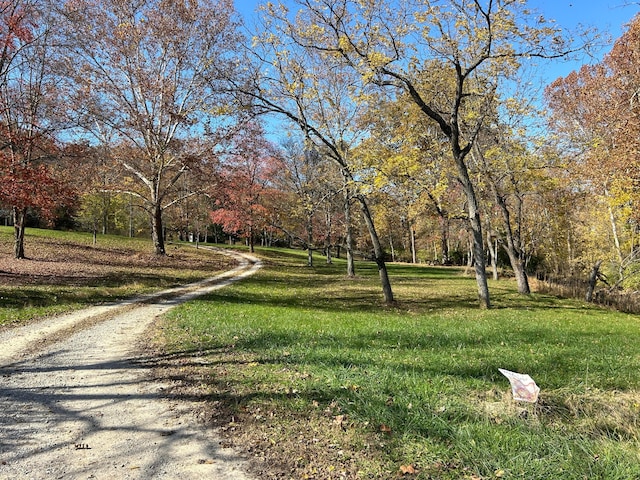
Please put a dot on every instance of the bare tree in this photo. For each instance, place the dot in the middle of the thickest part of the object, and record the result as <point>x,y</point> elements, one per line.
<point>146,74</point>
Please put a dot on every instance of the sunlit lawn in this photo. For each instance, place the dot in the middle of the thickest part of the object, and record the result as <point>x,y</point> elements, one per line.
<point>315,365</point>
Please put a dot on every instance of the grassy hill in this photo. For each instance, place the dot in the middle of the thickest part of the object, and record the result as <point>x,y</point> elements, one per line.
<point>66,271</point>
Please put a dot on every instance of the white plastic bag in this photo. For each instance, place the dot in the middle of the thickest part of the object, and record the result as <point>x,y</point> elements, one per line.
<point>523,387</point>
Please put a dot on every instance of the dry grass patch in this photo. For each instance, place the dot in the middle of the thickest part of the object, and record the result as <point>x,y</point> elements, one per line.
<point>65,271</point>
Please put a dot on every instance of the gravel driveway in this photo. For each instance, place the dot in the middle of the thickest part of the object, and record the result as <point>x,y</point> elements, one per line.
<point>77,400</point>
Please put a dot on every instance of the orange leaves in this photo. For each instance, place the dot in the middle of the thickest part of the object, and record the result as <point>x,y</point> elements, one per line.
<point>386,429</point>
<point>408,470</point>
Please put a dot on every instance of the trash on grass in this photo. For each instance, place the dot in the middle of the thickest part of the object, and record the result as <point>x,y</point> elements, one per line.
<point>523,387</point>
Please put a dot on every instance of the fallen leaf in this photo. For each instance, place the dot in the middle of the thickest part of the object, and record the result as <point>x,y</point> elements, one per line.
<point>407,470</point>
<point>385,428</point>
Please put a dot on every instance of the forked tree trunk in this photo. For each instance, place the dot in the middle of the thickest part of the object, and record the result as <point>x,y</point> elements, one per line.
<point>593,279</point>
<point>513,247</point>
<point>520,272</point>
<point>476,229</point>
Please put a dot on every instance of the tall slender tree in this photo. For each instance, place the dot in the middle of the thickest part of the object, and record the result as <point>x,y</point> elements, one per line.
<point>321,97</point>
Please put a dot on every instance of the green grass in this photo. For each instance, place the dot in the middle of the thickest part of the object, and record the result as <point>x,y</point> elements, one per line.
<point>312,361</point>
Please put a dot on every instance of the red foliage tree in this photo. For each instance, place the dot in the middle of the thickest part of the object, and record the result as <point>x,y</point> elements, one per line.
<point>16,23</point>
<point>27,116</point>
<point>30,183</point>
<point>246,184</point>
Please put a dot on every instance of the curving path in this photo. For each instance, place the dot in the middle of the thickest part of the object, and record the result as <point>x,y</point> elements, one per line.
<point>76,400</point>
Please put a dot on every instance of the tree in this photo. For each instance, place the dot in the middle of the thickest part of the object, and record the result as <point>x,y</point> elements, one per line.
<point>318,95</point>
<point>29,121</point>
<point>248,170</point>
<point>407,158</point>
<point>448,57</point>
<point>597,119</point>
<point>30,184</point>
<point>313,185</point>
<point>147,76</point>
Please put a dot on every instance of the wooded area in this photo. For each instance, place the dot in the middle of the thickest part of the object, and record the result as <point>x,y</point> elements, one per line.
<point>399,131</point>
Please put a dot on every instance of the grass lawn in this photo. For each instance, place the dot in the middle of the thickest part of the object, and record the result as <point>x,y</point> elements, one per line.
<point>310,374</point>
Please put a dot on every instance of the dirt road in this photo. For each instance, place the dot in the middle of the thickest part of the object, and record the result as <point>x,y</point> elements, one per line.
<point>76,400</point>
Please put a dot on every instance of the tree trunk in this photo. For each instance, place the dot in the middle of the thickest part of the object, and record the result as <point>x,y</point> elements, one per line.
<point>19,220</point>
<point>593,278</point>
<point>616,237</point>
<point>309,241</point>
<point>443,220</point>
<point>414,255</point>
<point>157,230</point>
<point>130,217</point>
<point>493,253</point>
<point>519,270</point>
<point>513,247</point>
<point>513,239</point>
<point>470,259</point>
<point>476,229</point>
<point>444,240</point>
<point>377,251</point>
<point>351,266</point>
<point>327,238</point>
<point>393,251</point>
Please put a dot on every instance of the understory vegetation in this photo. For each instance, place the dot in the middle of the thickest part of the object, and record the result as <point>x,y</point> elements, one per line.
<point>309,373</point>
